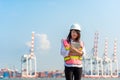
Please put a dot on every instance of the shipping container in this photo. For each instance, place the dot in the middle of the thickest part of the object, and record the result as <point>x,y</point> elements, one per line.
<point>6,75</point>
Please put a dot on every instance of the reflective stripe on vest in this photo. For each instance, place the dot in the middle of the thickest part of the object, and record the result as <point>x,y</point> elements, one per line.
<point>73,60</point>
<point>72,57</point>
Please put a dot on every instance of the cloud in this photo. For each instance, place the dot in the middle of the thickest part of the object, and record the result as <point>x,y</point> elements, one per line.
<point>28,44</point>
<point>43,42</point>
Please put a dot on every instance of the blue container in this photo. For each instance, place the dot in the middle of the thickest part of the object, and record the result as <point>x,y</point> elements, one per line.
<point>6,75</point>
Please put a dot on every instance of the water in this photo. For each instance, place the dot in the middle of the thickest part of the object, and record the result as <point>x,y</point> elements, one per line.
<point>35,79</point>
<point>62,79</point>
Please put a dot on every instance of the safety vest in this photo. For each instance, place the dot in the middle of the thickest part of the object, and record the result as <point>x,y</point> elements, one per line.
<point>72,60</point>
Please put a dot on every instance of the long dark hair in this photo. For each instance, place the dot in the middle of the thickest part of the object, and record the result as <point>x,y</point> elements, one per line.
<point>69,36</point>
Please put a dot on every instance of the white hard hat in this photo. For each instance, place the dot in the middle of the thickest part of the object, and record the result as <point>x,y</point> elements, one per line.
<point>76,27</point>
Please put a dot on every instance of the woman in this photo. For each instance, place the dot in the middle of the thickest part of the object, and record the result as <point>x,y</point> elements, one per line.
<point>73,55</point>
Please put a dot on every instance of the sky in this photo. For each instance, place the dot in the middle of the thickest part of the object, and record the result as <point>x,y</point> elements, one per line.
<point>51,21</point>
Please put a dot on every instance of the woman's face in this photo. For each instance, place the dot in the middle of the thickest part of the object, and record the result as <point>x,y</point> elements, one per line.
<point>74,34</point>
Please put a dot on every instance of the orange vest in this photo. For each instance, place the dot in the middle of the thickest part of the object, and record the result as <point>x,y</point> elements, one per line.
<point>72,60</point>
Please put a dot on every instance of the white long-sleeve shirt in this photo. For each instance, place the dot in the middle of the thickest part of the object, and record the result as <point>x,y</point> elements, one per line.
<point>65,53</point>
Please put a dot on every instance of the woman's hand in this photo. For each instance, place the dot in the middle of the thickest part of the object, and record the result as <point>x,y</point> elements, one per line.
<point>75,52</point>
<point>72,49</point>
